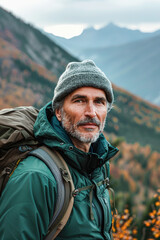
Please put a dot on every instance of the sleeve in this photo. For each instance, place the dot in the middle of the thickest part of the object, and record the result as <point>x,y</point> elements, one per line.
<point>27,206</point>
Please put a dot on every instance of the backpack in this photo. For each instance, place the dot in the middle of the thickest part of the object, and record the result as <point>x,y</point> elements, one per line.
<point>16,143</point>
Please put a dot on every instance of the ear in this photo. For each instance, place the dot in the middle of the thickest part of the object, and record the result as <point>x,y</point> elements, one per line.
<point>58,114</point>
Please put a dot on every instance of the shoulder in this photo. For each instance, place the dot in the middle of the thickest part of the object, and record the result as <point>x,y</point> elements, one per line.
<point>33,166</point>
<point>31,178</point>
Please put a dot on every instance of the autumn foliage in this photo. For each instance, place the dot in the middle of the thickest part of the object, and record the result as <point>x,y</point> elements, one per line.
<point>124,225</point>
<point>135,172</point>
<point>153,222</point>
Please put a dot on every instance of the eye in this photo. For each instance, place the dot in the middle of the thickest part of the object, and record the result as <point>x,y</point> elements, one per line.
<point>79,100</point>
<point>99,101</point>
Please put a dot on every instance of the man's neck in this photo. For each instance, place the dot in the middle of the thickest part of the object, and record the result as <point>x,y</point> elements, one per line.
<point>80,145</point>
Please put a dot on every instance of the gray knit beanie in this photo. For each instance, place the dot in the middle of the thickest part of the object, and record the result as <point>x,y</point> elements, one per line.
<point>82,74</point>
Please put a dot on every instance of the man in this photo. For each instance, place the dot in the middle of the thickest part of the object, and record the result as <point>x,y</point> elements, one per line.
<point>72,124</point>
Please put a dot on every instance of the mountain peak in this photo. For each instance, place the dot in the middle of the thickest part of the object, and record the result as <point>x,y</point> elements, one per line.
<point>111,25</point>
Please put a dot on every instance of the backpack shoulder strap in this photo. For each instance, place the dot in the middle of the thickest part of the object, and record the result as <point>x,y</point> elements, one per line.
<point>65,187</point>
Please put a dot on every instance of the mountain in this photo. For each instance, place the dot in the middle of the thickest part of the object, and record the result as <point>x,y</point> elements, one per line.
<point>110,35</point>
<point>130,58</point>
<point>22,81</point>
<point>33,43</point>
<point>30,64</point>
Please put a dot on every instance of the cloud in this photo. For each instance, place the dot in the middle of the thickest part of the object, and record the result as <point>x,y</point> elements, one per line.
<point>98,12</point>
<point>45,13</point>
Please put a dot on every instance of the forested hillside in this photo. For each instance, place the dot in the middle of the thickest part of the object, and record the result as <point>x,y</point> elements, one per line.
<point>33,43</point>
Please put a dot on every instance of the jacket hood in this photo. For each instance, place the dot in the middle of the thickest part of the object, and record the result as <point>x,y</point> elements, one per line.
<point>48,131</point>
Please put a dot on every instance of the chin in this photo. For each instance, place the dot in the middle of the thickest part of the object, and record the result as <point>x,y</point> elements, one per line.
<point>85,138</point>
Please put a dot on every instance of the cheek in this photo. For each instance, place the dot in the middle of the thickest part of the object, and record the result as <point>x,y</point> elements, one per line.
<point>102,115</point>
<point>75,115</point>
<point>72,117</point>
<point>75,119</point>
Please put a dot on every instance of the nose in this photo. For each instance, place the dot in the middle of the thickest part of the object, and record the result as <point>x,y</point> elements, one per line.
<point>90,110</point>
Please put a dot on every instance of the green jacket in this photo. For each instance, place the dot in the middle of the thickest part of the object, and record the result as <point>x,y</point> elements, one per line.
<point>28,200</point>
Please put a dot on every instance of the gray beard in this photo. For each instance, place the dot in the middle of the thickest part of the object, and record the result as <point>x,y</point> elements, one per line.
<point>73,131</point>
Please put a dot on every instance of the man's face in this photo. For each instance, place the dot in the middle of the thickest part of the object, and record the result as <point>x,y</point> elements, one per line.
<point>83,114</point>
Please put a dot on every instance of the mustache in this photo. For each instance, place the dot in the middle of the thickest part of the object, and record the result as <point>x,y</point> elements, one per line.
<point>89,120</point>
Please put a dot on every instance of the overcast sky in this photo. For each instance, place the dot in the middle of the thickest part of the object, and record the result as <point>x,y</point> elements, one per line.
<point>68,17</point>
